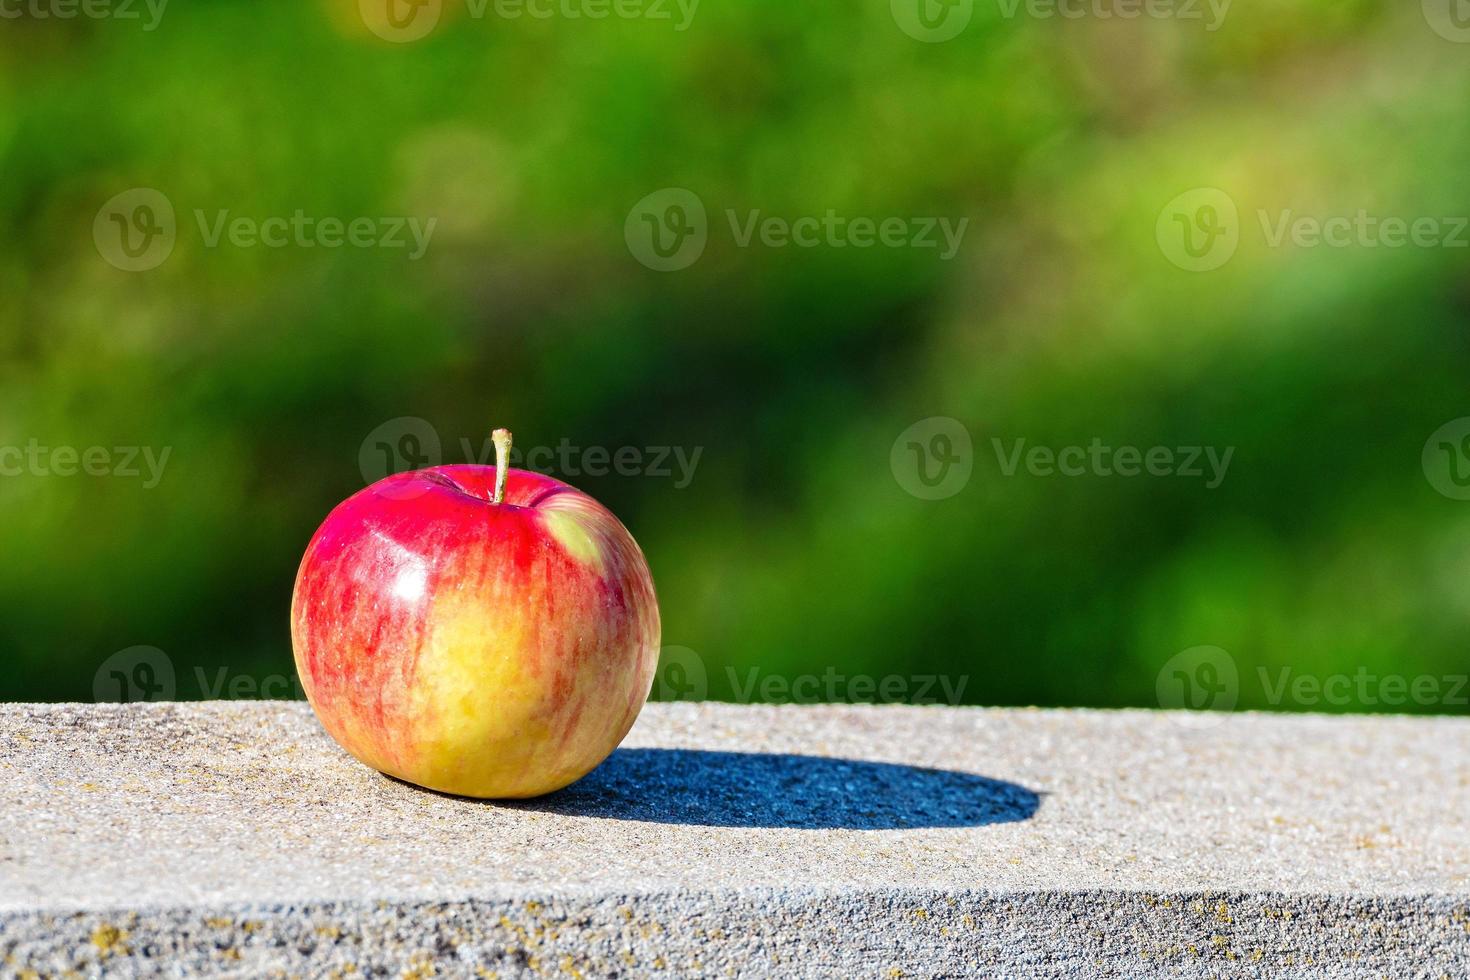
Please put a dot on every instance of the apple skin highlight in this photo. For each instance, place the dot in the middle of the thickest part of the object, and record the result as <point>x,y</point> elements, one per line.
<point>484,649</point>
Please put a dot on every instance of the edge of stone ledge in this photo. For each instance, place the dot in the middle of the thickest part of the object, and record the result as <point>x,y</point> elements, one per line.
<point>1127,710</point>
<point>811,931</point>
<point>589,893</point>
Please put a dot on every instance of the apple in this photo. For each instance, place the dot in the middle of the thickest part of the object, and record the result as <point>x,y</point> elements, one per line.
<point>476,630</point>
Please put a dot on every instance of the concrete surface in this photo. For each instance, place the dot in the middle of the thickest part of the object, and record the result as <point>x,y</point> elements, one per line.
<point>236,839</point>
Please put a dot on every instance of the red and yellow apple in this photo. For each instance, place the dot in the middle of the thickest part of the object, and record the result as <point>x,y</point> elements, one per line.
<point>477,630</point>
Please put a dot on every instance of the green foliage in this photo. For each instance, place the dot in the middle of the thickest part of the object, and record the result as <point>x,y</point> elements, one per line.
<point>793,549</point>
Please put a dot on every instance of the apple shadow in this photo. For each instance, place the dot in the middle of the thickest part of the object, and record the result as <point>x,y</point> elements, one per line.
<point>757,789</point>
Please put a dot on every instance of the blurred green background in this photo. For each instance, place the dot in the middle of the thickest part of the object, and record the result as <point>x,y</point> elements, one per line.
<point>1334,545</point>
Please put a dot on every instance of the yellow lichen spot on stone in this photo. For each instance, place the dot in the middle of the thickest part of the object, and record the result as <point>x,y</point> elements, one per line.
<point>218,922</point>
<point>626,913</point>
<point>329,932</point>
<point>1222,913</point>
<point>628,957</point>
<point>969,921</point>
<point>230,953</point>
<point>534,907</point>
<point>569,966</point>
<point>109,939</point>
<point>659,964</point>
<point>920,913</point>
<point>894,971</point>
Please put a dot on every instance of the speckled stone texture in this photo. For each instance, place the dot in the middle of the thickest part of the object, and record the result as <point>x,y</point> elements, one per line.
<point>837,841</point>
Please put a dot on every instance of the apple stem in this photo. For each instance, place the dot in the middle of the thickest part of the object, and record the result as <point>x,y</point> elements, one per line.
<point>501,437</point>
